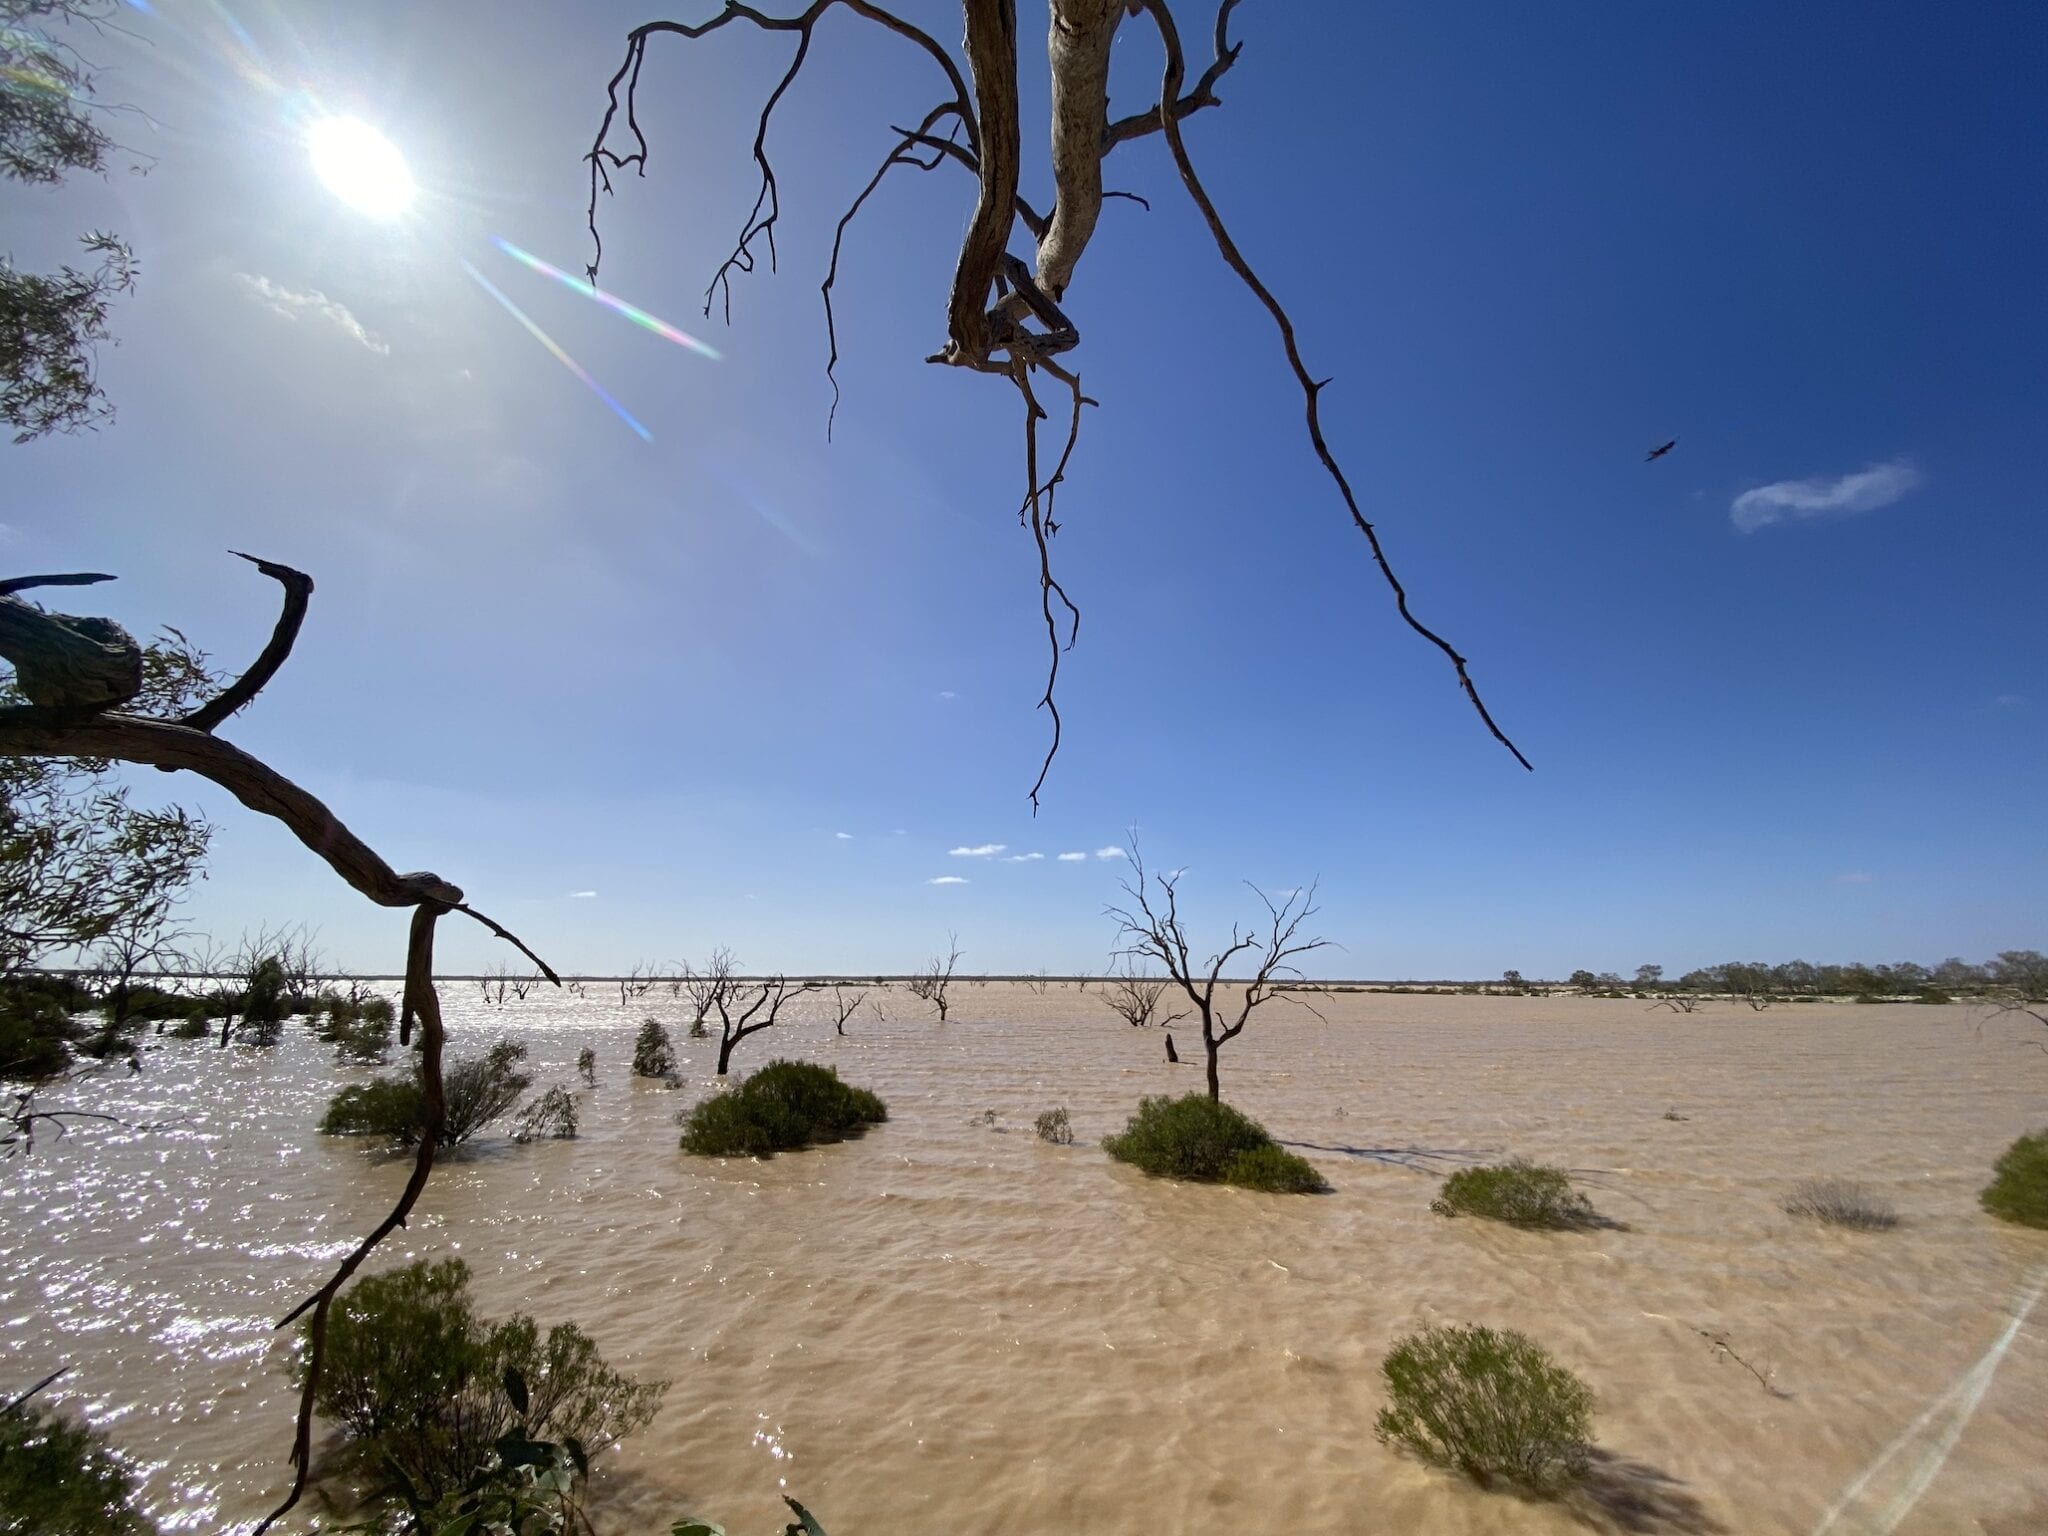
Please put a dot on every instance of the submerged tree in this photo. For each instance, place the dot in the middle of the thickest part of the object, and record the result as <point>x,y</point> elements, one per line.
<point>80,677</point>
<point>763,1011</point>
<point>929,985</point>
<point>1005,316</point>
<point>1137,999</point>
<point>1152,930</point>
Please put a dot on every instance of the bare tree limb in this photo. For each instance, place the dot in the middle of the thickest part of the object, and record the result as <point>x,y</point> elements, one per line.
<point>1311,389</point>
<point>298,593</point>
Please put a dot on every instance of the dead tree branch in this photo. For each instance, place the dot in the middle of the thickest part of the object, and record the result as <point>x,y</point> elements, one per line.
<point>769,995</point>
<point>73,711</point>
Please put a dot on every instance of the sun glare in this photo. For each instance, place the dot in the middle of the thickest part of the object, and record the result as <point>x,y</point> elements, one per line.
<point>360,166</point>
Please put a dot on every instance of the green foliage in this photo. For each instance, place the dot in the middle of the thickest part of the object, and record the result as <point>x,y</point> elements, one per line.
<point>36,1034</point>
<point>423,1389</point>
<point>1052,1126</point>
<point>359,1029</point>
<point>1491,1404</point>
<point>586,1066</point>
<point>2018,1190</point>
<point>1199,1139</point>
<point>190,1029</point>
<point>805,1524</point>
<point>1276,1171</point>
<point>785,1106</point>
<point>551,1117</point>
<point>1841,1203</point>
<point>58,1478</point>
<point>475,1090</point>
<point>1521,1193</point>
<point>263,1003</point>
<point>653,1054</point>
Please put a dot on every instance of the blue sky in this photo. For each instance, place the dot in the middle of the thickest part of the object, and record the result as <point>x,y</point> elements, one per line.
<point>1786,690</point>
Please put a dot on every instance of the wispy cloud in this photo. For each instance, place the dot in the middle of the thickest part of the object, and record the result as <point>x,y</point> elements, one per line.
<point>291,304</point>
<point>978,851</point>
<point>947,693</point>
<point>1024,858</point>
<point>1864,491</point>
<point>1855,877</point>
<point>1111,852</point>
<point>947,880</point>
<point>1998,700</point>
<point>844,837</point>
<point>582,895</point>
<point>1072,858</point>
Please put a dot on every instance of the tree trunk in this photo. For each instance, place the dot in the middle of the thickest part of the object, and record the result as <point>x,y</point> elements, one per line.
<point>1215,1080</point>
<point>725,1045</point>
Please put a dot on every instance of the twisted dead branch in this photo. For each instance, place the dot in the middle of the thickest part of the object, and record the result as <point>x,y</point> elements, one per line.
<point>1003,317</point>
<point>77,673</point>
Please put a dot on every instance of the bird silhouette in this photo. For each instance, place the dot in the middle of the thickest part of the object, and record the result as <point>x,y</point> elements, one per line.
<point>1658,453</point>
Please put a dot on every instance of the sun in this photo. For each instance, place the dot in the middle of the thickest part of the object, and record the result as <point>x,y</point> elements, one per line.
<point>360,166</point>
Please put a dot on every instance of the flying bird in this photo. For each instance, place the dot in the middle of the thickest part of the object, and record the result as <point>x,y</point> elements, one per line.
<point>1658,453</point>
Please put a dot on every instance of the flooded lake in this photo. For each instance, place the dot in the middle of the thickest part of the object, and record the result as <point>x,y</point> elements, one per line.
<point>951,1327</point>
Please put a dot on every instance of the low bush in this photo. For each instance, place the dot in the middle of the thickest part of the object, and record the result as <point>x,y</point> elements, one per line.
<point>653,1055</point>
<point>413,1378</point>
<point>1841,1203</point>
<point>1491,1404</point>
<point>2018,1190</point>
<point>785,1106</point>
<point>586,1066</point>
<point>264,1005</point>
<point>551,1117</point>
<point>190,1029</point>
<point>1521,1193</point>
<point>58,1478</point>
<point>475,1091</point>
<point>1052,1126</point>
<point>36,1036</point>
<point>1198,1139</point>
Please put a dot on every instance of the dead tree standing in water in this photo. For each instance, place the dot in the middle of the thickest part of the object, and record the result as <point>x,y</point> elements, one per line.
<point>77,675</point>
<point>929,985</point>
<point>751,1020</point>
<point>1156,933</point>
<point>1136,998</point>
<point>844,1008</point>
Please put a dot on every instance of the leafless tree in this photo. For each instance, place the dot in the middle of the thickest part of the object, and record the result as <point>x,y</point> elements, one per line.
<point>929,985</point>
<point>78,675</point>
<point>1678,1002</point>
<point>2019,988</point>
<point>707,987</point>
<point>637,983</point>
<point>844,1007</point>
<point>1152,931</point>
<point>762,1012</point>
<point>521,985</point>
<point>1004,317</point>
<point>135,946</point>
<point>493,984</point>
<point>1136,998</point>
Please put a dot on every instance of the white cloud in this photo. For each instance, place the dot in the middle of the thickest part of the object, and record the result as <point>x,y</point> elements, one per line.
<point>844,837</point>
<point>582,895</point>
<point>947,693</point>
<point>1024,858</point>
<point>293,305</point>
<point>1072,858</point>
<point>1864,491</point>
<point>947,880</point>
<point>1855,877</point>
<point>1998,701</point>
<point>1111,852</point>
<point>978,851</point>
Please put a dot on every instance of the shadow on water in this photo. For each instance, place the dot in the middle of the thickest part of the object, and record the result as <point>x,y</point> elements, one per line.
<point>1621,1495</point>
<point>1429,1160</point>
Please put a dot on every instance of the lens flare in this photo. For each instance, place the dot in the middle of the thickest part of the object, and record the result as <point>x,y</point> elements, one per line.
<point>638,316</point>
<point>556,352</point>
<point>360,166</point>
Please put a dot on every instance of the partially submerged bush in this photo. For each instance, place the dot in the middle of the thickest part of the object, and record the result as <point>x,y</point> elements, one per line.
<point>586,1065</point>
<point>1841,1203</point>
<point>1521,1193</point>
<point>189,1029</point>
<point>551,1117</point>
<point>412,1377</point>
<point>2018,1190</point>
<point>1200,1139</point>
<point>36,1035</point>
<point>1489,1403</point>
<point>1052,1126</point>
<point>264,1005</point>
<point>653,1055</point>
<point>785,1106</point>
<point>57,1478</point>
<point>475,1090</point>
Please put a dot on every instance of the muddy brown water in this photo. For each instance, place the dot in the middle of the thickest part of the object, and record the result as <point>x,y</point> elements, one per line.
<point>950,1327</point>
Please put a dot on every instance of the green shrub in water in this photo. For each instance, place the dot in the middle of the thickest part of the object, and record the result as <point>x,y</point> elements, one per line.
<point>413,1378</point>
<point>475,1090</point>
<point>190,1029</point>
<point>58,1478</point>
<point>653,1055</point>
<point>551,1117</point>
<point>1521,1193</point>
<point>1489,1403</point>
<point>1199,1139</point>
<point>1054,1127</point>
<point>2018,1190</point>
<point>785,1106</point>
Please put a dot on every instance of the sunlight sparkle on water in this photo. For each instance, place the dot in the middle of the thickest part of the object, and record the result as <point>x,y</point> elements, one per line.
<point>360,166</point>
<point>638,316</point>
<point>556,351</point>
